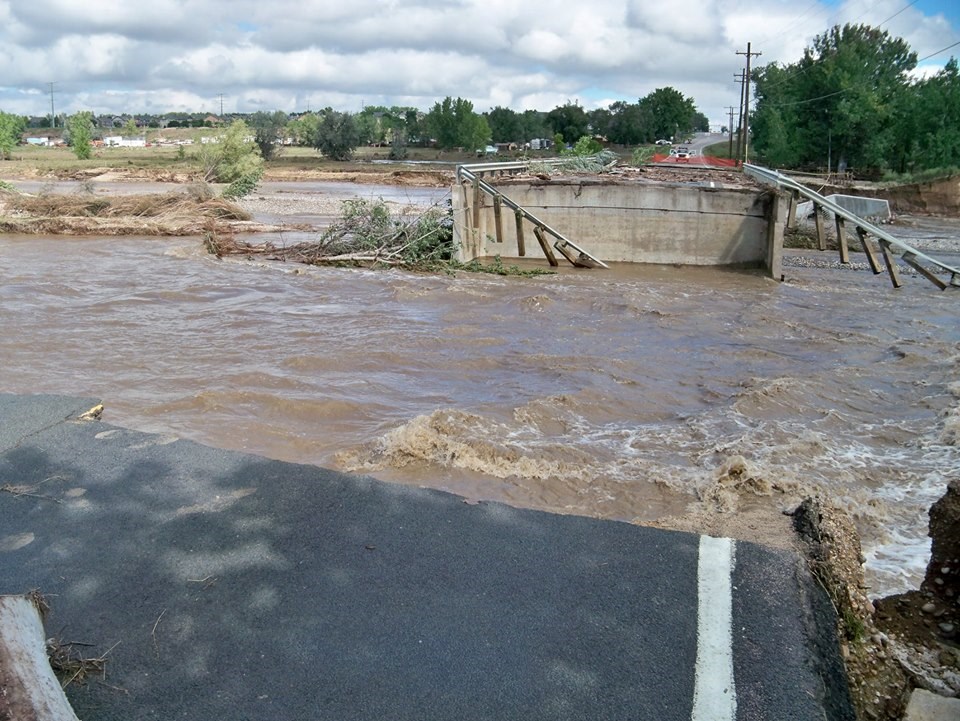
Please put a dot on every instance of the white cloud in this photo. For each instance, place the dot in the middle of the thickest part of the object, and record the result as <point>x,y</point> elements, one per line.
<point>115,55</point>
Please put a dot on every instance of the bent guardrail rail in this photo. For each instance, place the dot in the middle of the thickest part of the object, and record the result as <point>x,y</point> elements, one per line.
<point>473,173</point>
<point>887,242</point>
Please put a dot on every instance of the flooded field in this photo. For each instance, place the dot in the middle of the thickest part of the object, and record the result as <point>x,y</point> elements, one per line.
<point>633,393</point>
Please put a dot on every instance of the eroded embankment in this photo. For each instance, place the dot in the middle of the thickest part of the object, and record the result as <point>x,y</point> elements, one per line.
<point>900,642</point>
<point>934,197</point>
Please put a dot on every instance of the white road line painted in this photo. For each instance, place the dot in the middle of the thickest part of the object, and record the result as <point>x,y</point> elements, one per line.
<point>714,693</point>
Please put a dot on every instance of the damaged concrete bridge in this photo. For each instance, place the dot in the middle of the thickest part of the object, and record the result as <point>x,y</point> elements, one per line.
<point>635,220</point>
<point>615,219</point>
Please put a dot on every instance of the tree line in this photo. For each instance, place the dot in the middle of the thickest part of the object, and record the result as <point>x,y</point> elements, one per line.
<point>450,123</point>
<point>852,102</point>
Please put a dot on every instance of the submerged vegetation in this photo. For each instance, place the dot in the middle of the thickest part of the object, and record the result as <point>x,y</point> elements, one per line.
<point>368,234</point>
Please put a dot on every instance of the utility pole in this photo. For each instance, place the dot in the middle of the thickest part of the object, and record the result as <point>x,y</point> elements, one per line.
<point>740,79</point>
<point>746,104</point>
<point>730,131</point>
<point>53,117</point>
<point>221,106</point>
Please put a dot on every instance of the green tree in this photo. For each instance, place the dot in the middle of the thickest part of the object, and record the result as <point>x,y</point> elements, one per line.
<point>413,124</point>
<point>671,114</point>
<point>843,94</point>
<point>776,137</point>
<point>599,120</point>
<point>268,132</point>
<point>533,124</point>
<point>569,120</point>
<point>929,132</point>
<point>303,129</point>
<point>454,124</point>
<point>233,157</point>
<point>80,132</point>
<point>337,134</point>
<point>630,124</point>
<point>11,126</point>
<point>129,128</point>
<point>504,125</point>
<point>585,146</point>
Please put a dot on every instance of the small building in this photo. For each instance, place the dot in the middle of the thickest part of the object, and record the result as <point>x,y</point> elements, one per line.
<point>118,141</point>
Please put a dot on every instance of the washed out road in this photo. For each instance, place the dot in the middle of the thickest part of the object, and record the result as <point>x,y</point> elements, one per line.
<point>230,586</point>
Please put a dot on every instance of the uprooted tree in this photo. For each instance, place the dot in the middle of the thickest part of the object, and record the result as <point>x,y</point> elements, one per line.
<point>367,233</point>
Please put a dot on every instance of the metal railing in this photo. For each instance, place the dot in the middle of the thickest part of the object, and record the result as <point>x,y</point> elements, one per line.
<point>907,253</point>
<point>472,173</point>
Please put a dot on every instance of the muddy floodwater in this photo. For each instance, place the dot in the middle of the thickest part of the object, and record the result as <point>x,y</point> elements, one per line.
<point>633,394</point>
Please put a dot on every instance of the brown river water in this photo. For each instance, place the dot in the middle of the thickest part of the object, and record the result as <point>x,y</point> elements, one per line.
<point>633,393</point>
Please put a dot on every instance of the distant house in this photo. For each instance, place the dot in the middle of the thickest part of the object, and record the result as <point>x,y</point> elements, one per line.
<point>45,141</point>
<point>118,141</point>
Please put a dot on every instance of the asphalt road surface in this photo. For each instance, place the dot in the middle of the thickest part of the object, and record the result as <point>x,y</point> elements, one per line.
<point>221,585</point>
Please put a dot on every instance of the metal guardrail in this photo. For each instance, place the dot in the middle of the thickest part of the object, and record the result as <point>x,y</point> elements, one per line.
<point>910,255</point>
<point>563,244</point>
<point>517,165</point>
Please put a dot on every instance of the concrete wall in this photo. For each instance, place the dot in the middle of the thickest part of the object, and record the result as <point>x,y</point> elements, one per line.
<point>864,207</point>
<point>633,222</point>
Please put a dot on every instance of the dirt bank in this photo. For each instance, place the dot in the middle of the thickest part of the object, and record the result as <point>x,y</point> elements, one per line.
<point>901,642</point>
<point>935,197</point>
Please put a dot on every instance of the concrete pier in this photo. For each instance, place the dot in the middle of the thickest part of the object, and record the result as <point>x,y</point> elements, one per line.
<point>630,221</point>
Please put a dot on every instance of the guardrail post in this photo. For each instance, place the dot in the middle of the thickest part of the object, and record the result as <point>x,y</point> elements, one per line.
<point>477,197</point>
<point>842,238</point>
<point>911,260</point>
<point>821,235</point>
<point>891,263</point>
<point>868,251</point>
<point>551,258</point>
<point>521,246</point>
<point>792,212</point>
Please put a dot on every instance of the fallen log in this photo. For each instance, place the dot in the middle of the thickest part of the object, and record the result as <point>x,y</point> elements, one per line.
<point>29,690</point>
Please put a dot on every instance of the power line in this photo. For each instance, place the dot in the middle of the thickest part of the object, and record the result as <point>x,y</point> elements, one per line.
<point>905,7</point>
<point>851,87</point>
<point>941,50</point>
<point>800,71</point>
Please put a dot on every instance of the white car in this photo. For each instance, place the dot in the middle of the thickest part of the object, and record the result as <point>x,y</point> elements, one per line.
<point>662,142</point>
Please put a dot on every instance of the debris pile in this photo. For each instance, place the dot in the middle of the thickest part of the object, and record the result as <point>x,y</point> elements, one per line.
<point>367,233</point>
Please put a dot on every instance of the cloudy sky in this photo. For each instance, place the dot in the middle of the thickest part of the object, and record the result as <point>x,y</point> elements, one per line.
<point>115,56</point>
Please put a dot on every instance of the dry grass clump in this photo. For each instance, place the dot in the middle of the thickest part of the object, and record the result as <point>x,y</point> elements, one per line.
<point>154,214</point>
<point>137,206</point>
<point>72,664</point>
